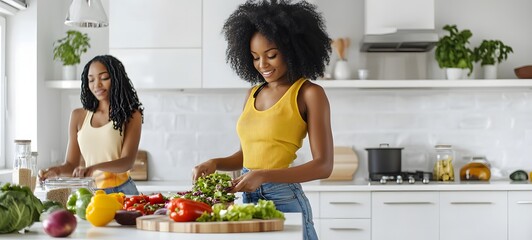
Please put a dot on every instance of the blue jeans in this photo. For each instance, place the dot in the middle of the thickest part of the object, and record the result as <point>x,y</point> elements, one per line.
<point>288,197</point>
<point>128,188</point>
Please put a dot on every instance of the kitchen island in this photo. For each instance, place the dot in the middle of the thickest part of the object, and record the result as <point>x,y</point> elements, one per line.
<point>84,230</point>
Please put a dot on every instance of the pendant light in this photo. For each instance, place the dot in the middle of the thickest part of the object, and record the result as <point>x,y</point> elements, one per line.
<point>86,13</point>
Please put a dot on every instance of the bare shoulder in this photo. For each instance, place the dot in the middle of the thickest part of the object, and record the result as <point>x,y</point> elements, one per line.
<point>78,113</point>
<point>310,91</point>
<point>77,117</point>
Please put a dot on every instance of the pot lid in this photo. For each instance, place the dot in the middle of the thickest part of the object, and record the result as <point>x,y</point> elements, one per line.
<point>385,146</point>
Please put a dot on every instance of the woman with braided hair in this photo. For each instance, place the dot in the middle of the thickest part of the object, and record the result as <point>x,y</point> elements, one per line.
<point>104,135</point>
<point>278,46</point>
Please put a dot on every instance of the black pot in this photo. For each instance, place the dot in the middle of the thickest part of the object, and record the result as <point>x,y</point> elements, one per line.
<point>384,160</point>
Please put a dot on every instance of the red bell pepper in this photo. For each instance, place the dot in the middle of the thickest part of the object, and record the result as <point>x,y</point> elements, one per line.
<point>186,210</point>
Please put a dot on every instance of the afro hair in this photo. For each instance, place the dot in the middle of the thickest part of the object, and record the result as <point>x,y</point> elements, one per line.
<point>297,29</point>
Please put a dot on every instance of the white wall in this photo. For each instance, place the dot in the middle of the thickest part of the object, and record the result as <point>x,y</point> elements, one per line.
<point>21,71</point>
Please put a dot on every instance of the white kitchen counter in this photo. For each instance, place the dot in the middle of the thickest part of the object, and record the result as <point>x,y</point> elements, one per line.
<point>84,230</point>
<point>323,186</point>
<point>166,187</point>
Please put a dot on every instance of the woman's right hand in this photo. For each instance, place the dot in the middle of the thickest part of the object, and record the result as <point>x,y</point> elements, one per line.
<point>203,169</point>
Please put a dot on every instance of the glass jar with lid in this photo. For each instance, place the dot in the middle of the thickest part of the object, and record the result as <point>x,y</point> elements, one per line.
<point>443,165</point>
<point>22,154</point>
<point>477,168</point>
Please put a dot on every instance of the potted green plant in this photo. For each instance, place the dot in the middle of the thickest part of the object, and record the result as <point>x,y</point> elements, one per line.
<point>489,54</point>
<point>69,50</point>
<point>453,53</point>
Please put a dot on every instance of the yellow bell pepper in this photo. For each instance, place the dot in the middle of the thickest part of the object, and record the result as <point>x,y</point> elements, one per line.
<point>102,208</point>
<point>119,196</point>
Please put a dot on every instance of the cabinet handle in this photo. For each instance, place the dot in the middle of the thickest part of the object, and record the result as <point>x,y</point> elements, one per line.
<point>343,203</point>
<point>345,229</point>
<point>464,203</point>
<point>524,202</point>
<point>406,203</point>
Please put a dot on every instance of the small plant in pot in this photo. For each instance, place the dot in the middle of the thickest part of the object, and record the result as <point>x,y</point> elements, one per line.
<point>453,53</point>
<point>69,50</point>
<point>489,54</point>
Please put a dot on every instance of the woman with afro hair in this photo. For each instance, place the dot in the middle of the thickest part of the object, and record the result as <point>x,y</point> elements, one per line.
<point>278,46</point>
<point>104,135</point>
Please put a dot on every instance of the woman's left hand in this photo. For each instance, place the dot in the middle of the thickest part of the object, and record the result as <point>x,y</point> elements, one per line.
<point>82,172</point>
<point>248,182</point>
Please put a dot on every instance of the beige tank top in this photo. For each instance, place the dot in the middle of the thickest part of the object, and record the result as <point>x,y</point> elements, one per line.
<point>101,144</point>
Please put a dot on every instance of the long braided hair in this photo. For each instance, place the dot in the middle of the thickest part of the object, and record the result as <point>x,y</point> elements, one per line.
<point>123,98</point>
<point>297,29</point>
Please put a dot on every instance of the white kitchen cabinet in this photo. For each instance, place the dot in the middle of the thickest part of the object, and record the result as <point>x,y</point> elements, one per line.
<point>519,215</point>
<point>216,72</point>
<point>159,41</point>
<point>336,229</point>
<point>345,215</point>
<point>404,215</point>
<point>161,68</point>
<point>473,215</point>
<point>155,24</point>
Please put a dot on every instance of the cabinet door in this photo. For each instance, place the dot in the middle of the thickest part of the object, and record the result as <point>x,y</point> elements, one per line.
<point>519,215</point>
<point>359,229</point>
<point>473,215</point>
<point>345,205</point>
<point>404,215</point>
<point>216,72</point>
<point>154,24</point>
<point>161,68</point>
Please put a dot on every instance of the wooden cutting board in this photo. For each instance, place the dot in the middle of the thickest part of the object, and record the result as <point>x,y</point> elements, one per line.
<point>139,172</point>
<point>163,223</point>
<point>345,164</point>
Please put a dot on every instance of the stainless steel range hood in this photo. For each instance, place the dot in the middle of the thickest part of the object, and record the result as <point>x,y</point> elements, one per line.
<point>399,26</point>
<point>411,40</point>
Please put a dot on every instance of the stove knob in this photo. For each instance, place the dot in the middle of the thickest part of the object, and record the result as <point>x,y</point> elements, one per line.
<point>399,179</point>
<point>411,180</point>
<point>383,180</point>
<point>426,180</point>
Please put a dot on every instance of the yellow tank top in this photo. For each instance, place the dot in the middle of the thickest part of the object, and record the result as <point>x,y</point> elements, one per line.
<point>98,145</point>
<point>270,138</point>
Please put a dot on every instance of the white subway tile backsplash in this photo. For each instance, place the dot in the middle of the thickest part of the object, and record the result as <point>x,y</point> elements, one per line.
<point>182,129</point>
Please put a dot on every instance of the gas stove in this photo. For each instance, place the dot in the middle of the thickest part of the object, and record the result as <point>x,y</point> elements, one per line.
<point>402,177</point>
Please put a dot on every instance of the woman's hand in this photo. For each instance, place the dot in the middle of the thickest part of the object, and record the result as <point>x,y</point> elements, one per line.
<point>248,182</point>
<point>82,172</point>
<point>203,169</point>
<point>48,173</point>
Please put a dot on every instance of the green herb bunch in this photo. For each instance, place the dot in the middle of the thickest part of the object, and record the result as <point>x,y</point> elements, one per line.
<point>491,51</point>
<point>211,189</point>
<point>70,48</point>
<point>452,51</point>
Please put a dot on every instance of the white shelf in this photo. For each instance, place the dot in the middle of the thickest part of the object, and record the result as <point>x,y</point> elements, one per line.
<point>64,84</point>
<point>380,84</point>
<point>374,84</point>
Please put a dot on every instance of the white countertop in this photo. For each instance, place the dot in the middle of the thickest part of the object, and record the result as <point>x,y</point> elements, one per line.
<point>499,185</point>
<point>84,230</point>
<point>148,187</point>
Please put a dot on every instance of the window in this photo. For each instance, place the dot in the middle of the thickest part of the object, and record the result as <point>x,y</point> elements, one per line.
<point>3,92</point>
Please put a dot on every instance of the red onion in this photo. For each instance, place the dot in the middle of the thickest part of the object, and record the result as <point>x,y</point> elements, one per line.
<point>60,223</point>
